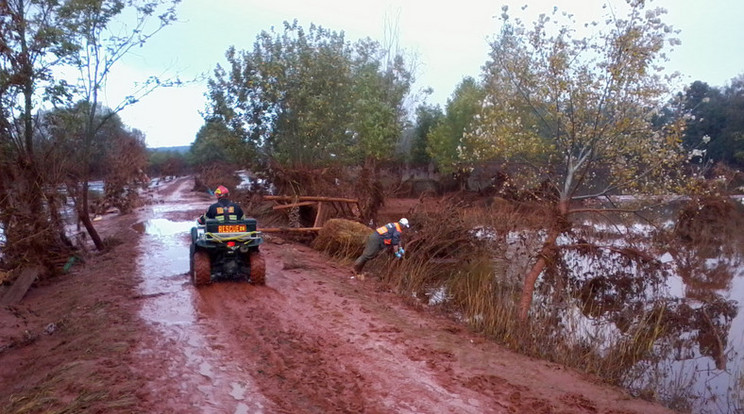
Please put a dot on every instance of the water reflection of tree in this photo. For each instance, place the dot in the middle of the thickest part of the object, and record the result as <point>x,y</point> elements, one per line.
<point>707,325</point>
<point>615,284</point>
<point>706,244</point>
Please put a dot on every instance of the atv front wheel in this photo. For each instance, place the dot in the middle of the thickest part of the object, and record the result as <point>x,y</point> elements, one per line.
<point>201,274</point>
<point>258,269</point>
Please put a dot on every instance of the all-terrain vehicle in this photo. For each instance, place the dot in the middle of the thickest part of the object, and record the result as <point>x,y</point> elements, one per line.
<point>226,251</point>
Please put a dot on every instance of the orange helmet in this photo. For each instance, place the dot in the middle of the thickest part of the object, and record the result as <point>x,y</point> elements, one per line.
<point>221,192</point>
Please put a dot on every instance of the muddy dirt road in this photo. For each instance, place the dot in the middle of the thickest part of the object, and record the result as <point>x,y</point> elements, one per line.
<point>127,332</point>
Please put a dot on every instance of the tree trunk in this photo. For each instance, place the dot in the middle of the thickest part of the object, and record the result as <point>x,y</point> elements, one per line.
<point>547,252</point>
<point>530,279</point>
<point>369,191</point>
<point>85,218</point>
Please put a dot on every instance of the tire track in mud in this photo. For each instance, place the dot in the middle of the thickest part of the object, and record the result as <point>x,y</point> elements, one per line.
<point>312,341</point>
<point>316,341</point>
<point>291,365</point>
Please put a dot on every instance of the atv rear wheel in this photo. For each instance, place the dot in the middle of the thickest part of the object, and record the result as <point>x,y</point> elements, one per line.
<point>201,274</point>
<point>258,269</point>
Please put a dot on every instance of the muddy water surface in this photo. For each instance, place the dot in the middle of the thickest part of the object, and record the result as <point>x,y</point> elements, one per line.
<point>694,294</point>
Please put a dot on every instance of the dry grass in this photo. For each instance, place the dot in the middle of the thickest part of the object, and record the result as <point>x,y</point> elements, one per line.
<point>82,343</point>
<point>737,393</point>
<point>84,385</point>
<point>72,389</point>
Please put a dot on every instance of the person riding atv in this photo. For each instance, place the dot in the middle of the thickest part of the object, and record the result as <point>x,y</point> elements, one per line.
<point>223,209</point>
<point>224,245</point>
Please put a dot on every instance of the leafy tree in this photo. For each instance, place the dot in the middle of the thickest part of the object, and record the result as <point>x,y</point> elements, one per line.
<point>703,109</point>
<point>734,129</point>
<point>714,129</point>
<point>166,163</point>
<point>567,110</point>
<point>378,92</point>
<point>427,117</point>
<point>445,141</point>
<point>126,161</point>
<point>39,36</point>
<point>288,97</point>
<point>216,142</point>
<point>306,99</point>
<point>118,154</point>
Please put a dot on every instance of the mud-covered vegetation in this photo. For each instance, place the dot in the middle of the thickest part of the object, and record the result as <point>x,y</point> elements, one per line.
<point>602,307</point>
<point>55,134</point>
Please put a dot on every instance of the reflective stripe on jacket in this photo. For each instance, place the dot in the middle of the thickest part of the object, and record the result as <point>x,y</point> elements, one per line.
<point>390,233</point>
<point>223,210</point>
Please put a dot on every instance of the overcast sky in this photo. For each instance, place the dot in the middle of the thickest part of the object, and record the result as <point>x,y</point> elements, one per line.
<point>447,41</point>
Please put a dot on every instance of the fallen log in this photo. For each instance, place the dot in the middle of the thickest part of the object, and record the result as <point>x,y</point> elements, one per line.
<point>302,203</point>
<point>309,198</point>
<point>289,229</point>
<point>21,285</point>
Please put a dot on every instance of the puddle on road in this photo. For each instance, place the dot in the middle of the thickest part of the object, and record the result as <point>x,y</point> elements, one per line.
<point>164,261</point>
<point>162,227</point>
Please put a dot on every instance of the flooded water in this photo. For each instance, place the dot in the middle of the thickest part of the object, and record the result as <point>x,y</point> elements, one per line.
<point>715,332</point>
<point>689,297</point>
<point>670,298</point>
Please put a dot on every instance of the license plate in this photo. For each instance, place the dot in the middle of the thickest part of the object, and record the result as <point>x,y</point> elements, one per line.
<point>232,228</point>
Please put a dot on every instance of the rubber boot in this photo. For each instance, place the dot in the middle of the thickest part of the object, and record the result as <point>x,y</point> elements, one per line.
<point>358,266</point>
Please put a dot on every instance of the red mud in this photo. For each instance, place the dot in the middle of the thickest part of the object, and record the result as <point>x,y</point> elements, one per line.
<point>119,336</point>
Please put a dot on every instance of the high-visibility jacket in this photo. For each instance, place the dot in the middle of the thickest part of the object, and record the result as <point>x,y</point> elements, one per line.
<point>223,210</point>
<point>390,233</point>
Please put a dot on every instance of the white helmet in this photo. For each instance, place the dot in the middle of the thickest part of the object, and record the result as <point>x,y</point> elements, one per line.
<point>404,222</point>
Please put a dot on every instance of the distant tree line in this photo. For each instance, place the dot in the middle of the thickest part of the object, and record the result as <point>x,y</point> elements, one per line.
<point>714,122</point>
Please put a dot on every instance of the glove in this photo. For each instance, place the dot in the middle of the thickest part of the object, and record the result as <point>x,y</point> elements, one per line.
<point>399,253</point>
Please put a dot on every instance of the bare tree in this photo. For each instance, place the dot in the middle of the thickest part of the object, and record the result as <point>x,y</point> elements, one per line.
<point>103,43</point>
